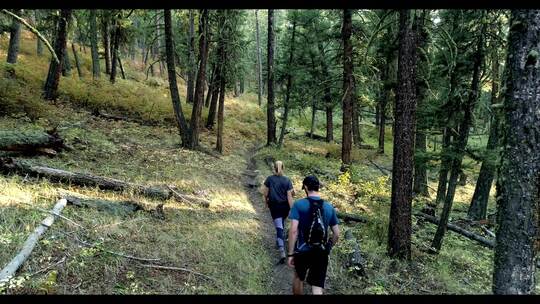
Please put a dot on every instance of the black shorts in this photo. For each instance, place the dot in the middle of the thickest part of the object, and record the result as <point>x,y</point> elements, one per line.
<point>313,264</point>
<point>278,210</point>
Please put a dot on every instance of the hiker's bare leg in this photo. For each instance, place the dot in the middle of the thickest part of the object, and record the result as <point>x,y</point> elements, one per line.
<point>298,286</point>
<point>316,290</point>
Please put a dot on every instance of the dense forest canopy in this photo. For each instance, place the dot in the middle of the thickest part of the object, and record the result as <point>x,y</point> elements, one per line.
<point>422,120</point>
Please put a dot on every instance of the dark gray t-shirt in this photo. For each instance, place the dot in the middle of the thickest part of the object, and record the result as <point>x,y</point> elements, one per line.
<point>278,185</point>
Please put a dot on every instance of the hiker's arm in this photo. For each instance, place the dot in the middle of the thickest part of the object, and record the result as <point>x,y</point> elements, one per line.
<point>265,194</point>
<point>335,234</point>
<point>293,234</point>
<point>290,197</point>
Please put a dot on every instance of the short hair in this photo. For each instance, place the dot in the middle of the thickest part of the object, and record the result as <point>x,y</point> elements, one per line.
<point>311,182</point>
<point>278,167</point>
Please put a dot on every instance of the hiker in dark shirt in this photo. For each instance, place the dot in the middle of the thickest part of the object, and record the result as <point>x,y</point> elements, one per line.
<point>309,259</point>
<point>278,195</point>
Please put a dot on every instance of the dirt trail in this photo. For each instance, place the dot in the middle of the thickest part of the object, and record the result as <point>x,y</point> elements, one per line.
<point>281,280</point>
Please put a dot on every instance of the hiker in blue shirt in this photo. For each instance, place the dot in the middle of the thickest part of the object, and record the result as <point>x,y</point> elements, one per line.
<point>278,195</point>
<point>309,246</point>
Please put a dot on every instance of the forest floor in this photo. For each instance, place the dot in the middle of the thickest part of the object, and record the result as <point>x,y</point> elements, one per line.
<point>232,241</point>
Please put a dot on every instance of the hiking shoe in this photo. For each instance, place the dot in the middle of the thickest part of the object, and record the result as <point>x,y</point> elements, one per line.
<point>282,255</point>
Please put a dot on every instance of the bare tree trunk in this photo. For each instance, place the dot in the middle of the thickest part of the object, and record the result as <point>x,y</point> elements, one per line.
<point>181,123</point>
<point>77,63</point>
<point>460,143</point>
<point>199,84</point>
<point>66,67</point>
<point>14,38</point>
<point>270,111</point>
<point>191,58</point>
<point>106,43</point>
<point>357,138</point>
<point>221,110</point>
<point>289,88</point>
<point>94,45</point>
<point>518,182</point>
<point>399,230</point>
<point>213,84</point>
<point>346,141</point>
<point>121,68</point>
<point>313,116</point>
<point>478,208</point>
<point>259,61</point>
<point>53,76</point>
<point>114,51</point>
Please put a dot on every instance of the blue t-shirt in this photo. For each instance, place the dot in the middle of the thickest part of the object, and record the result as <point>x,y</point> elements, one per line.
<point>300,212</point>
<point>278,185</point>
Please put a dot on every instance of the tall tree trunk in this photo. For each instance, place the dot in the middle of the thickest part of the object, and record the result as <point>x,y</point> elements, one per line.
<point>420,183</point>
<point>214,101</point>
<point>77,62</point>
<point>191,58</point>
<point>105,33</point>
<point>445,166</point>
<point>460,143</point>
<point>221,110</point>
<point>181,122</point>
<point>66,67</point>
<point>313,117</point>
<point>289,87</point>
<point>14,38</point>
<point>478,208</point>
<point>399,230</point>
<point>39,45</point>
<point>357,139</point>
<point>158,47</point>
<point>385,95</point>
<point>94,44</point>
<point>327,96</point>
<point>114,51</point>
<point>518,182</point>
<point>199,84</point>
<point>213,84</point>
<point>259,61</point>
<point>55,68</point>
<point>121,68</point>
<point>270,110</point>
<point>346,139</point>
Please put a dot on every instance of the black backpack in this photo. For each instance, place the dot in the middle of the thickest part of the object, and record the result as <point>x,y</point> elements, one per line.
<point>315,234</point>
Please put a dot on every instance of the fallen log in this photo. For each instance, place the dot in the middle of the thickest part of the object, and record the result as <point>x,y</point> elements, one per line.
<point>9,270</point>
<point>315,136</point>
<point>381,168</point>
<point>356,261</point>
<point>32,142</point>
<point>351,217</point>
<point>365,147</point>
<point>10,165</point>
<point>117,208</point>
<point>480,239</point>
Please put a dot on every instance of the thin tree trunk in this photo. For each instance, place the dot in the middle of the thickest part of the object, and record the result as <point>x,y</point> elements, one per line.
<point>385,77</point>
<point>66,67</point>
<point>114,51</point>
<point>420,183</point>
<point>106,43</point>
<point>94,45</point>
<point>518,182</point>
<point>181,123</point>
<point>357,138</point>
<point>199,84</point>
<point>399,230</point>
<point>460,144</point>
<point>191,58</point>
<point>270,111</point>
<point>121,68</point>
<point>478,208</point>
<point>346,138</point>
<point>289,87</point>
<point>213,84</point>
<point>77,63</point>
<point>14,38</point>
<point>259,61</point>
<point>221,110</point>
<point>39,46</point>
<point>445,164</point>
<point>313,116</point>
<point>53,76</point>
